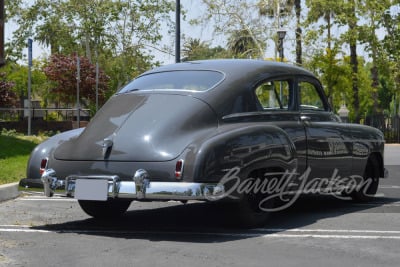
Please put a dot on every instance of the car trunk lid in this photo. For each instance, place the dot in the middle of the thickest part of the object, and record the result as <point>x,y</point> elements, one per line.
<point>141,127</point>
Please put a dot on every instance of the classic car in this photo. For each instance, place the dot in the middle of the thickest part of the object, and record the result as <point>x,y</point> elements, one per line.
<point>250,133</point>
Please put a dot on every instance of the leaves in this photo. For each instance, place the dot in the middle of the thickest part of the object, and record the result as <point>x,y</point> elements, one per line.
<point>7,97</point>
<point>63,71</point>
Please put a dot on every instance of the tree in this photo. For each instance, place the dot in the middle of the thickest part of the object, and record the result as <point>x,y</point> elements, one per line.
<point>277,10</point>
<point>350,16</point>
<point>194,49</point>
<point>243,45</point>
<point>299,32</point>
<point>391,45</point>
<point>372,11</point>
<point>101,30</point>
<point>232,17</point>
<point>7,97</point>
<point>325,10</point>
<point>62,71</point>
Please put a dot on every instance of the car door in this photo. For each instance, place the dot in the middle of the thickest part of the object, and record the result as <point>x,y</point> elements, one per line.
<point>277,104</point>
<point>329,152</point>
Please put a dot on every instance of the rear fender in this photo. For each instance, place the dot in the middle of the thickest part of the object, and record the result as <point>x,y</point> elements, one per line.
<point>45,150</point>
<point>247,147</point>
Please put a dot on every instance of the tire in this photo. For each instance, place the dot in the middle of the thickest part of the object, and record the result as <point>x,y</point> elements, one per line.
<point>252,211</point>
<point>105,209</point>
<point>249,213</point>
<point>370,182</point>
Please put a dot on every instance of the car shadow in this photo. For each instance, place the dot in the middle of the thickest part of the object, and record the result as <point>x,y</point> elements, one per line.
<point>210,222</point>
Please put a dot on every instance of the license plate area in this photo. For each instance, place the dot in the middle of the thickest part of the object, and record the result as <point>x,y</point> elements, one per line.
<point>91,189</point>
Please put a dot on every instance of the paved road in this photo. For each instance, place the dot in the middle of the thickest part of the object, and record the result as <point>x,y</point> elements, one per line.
<point>316,231</point>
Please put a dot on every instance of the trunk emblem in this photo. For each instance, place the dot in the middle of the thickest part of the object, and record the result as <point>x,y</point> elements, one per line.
<point>107,144</point>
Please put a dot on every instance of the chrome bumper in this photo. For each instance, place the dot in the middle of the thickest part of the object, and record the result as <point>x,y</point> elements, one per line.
<point>140,188</point>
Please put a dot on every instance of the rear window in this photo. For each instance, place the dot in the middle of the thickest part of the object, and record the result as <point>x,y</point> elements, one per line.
<point>175,80</point>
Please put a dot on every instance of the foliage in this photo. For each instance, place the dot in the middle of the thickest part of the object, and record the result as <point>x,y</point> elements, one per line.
<point>63,71</point>
<point>7,97</point>
<point>14,155</point>
<point>231,17</point>
<point>118,34</point>
<point>243,45</point>
<point>18,75</point>
<point>194,49</point>
<point>120,31</point>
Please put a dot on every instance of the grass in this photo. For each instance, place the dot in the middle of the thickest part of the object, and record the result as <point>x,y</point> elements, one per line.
<point>14,154</point>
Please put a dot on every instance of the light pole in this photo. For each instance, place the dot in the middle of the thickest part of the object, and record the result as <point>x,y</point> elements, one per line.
<point>281,35</point>
<point>178,32</point>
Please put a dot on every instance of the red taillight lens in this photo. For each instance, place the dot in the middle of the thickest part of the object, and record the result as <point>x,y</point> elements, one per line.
<point>179,169</point>
<point>43,165</point>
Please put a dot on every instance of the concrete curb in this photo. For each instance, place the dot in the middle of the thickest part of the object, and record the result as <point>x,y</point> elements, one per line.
<point>8,191</point>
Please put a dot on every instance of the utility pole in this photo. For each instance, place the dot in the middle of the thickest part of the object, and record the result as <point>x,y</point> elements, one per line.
<point>178,31</point>
<point>78,80</point>
<point>29,86</point>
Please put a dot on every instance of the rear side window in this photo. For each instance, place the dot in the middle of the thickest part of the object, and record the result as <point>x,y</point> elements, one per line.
<point>309,97</point>
<point>197,81</point>
<point>273,95</point>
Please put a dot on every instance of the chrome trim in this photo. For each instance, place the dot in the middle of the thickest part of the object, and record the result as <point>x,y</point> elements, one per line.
<point>142,181</point>
<point>141,188</point>
<point>50,182</point>
<point>113,184</point>
<point>107,144</point>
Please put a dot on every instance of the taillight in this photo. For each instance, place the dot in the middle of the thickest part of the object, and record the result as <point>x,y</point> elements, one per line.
<point>179,169</point>
<point>43,165</point>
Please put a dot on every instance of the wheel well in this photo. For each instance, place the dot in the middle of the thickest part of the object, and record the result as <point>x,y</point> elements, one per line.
<point>379,159</point>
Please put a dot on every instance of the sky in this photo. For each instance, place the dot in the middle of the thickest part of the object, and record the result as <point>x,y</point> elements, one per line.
<point>193,11</point>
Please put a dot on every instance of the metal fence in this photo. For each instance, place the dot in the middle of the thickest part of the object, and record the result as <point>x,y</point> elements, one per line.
<point>389,125</point>
<point>66,114</point>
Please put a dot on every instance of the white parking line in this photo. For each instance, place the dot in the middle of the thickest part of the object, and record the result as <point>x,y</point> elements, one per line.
<point>43,198</point>
<point>264,233</point>
<point>389,186</point>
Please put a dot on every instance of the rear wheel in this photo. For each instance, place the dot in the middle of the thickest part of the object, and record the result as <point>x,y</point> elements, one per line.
<point>254,208</point>
<point>105,209</point>
<point>370,182</point>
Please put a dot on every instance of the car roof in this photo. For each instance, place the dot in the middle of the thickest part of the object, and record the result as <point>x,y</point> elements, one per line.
<point>234,66</point>
<point>240,75</point>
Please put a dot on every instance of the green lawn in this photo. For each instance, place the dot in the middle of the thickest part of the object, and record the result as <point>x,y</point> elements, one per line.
<point>14,154</point>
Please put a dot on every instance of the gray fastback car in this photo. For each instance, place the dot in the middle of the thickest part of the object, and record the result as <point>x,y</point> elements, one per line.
<point>249,132</point>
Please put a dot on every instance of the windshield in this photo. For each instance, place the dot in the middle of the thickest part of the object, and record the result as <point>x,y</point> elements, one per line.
<point>193,80</point>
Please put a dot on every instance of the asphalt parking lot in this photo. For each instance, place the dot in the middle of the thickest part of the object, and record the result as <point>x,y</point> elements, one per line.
<point>315,231</point>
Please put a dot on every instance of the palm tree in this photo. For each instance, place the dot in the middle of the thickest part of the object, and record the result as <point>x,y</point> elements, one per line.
<point>243,44</point>
<point>299,52</point>
<point>326,10</point>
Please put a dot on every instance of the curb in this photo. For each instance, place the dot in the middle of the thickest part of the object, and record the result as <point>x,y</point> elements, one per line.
<point>8,191</point>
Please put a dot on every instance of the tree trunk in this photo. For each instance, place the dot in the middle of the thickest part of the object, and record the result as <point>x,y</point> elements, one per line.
<point>354,61</point>
<point>299,52</point>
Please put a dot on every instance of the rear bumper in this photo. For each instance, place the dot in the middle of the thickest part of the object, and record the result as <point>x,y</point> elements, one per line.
<point>140,188</point>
